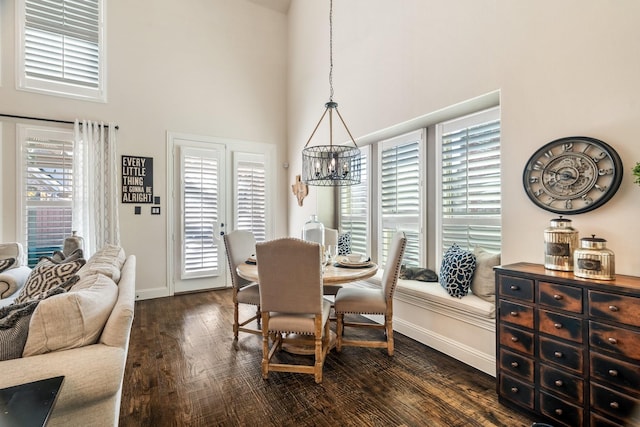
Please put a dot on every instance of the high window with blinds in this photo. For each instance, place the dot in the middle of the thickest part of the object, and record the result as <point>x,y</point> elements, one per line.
<point>46,188</point>
<point>469,181</point>
<point>200,212</point>
<point>400,194</point>
<point>250,203</point>
<point>61,47</point>
<point>354,208</point>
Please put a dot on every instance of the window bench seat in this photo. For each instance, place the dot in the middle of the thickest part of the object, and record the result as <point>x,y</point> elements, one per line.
<point>463,328</point>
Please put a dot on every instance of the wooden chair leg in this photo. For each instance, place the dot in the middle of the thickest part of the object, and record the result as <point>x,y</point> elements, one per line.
<point>339,331</point>
<point>236,321</point>
<point>389,332</point>
<point>265,348</point>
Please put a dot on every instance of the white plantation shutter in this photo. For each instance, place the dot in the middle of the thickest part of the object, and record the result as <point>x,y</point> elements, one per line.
<point>250,203</point>
<point>470,181</point>
<point>200,196</point>
<point>354,208</point>
<point>62,47</point>
<point>400,194</point>
<point>46,185</point>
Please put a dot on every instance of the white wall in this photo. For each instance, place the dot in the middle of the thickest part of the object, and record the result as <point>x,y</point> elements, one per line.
<point>563,68</point>
<point>213,68</point>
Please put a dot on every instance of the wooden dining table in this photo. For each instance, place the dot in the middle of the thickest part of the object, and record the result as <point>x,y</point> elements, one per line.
<point>332,274</point>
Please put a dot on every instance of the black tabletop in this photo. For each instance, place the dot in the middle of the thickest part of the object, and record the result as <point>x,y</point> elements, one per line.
<point>29,404</point>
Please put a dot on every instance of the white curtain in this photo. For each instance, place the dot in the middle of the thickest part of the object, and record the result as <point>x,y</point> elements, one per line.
<point>95,195</point>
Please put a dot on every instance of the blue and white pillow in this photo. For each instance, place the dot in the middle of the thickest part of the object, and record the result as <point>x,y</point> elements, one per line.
<point>456,271</point>
<point>344,243</point>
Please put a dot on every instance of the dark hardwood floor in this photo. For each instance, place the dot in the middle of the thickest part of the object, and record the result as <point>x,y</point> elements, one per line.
<point>182,370</point>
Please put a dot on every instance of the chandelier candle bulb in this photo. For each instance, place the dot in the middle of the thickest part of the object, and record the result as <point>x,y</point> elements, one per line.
<point>560,240</point>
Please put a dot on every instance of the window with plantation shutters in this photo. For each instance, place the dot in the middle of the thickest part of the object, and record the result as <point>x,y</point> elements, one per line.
<point>200,212</point>
<point>354,208</point>
<point>61,45</point>
<point>250,203</point>
<point>469,184</point>
<point>46,187</point>
<point>400,194</point>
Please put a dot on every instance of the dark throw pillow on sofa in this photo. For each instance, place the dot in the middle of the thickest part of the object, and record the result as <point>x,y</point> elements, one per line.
<point>456,272</point>
<point>47,275</point>
<point>6,264</point>
<point>14,327</point>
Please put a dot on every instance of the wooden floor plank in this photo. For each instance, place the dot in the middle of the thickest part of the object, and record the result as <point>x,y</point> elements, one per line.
<point>183,370</point>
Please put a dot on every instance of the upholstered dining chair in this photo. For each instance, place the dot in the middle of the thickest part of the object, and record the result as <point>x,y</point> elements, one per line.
<point>240,245</point>
<point>372,301</point>
<point>290,276</point>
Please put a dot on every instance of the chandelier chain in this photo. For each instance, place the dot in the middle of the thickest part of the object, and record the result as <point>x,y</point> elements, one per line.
<point>331,50</point>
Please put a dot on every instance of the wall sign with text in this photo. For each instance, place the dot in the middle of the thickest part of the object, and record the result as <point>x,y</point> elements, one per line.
<point>137,179</point>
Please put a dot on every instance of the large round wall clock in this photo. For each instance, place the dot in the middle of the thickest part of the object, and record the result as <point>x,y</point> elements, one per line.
<point>572,175</point>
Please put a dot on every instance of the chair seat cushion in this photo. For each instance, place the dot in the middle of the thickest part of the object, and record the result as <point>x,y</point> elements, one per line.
<point>297,323</point>
<point>249,294</point>
<point>361,301</point>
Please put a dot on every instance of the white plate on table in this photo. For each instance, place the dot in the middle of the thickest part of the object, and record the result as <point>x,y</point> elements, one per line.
<point>344,262</point>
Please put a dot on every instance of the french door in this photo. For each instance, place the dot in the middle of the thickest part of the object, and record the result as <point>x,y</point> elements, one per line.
<point>199,261</point>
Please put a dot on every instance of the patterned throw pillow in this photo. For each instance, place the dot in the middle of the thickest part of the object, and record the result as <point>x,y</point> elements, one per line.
<point>6,263</point>
<point>14,328</point>
<point>456,271</point>
<point>344,243</point>
<point>47,275</point>
<point>59,257</point>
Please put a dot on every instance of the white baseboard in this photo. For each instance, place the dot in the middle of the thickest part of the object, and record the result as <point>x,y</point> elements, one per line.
<point>152,293</point>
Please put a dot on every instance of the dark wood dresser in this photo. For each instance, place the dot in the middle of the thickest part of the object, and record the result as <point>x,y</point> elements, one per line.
<point>568,349</point>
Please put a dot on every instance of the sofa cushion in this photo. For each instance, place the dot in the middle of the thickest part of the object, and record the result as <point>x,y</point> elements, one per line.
<point>456,271</point>
<point>74,319</point>
<point>6,264</point>
<point>108,261</point>
<point>47,275</point>
<point>484,284</point>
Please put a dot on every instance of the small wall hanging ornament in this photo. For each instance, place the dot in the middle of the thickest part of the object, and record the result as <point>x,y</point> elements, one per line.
<point>300,190</point>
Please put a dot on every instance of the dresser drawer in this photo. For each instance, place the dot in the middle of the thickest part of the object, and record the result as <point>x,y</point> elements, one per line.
<point>517,314</point>
<point>598,421</point>
<point>515,287</point>
<point>560,382</point>
<point>617,340</point>
<point>563,297</point>
<point>619,308</point>
<point>517,339</point>
<point>565,355</point>
<point>563,412</point>
<point>614,371</point>
<point>615,404</point>
<point>516,364</point>
<point>516,391</point>
<point>560,325</point>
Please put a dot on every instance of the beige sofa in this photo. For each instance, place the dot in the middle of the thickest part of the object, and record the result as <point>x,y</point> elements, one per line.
<point>94,367</point>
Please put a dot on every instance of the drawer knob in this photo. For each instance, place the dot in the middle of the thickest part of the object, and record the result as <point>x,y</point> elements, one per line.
<point>558,411</point>
<point>613,372</point>
<point>514,287</point>
<point>613,308</point>
<point>614,405</point>
<point>559,383</point>
<point>558,354</point>
<point>514,389</point>
<point>514,339</point>
<point>557,297</point>
<point>514,313</point>
<point>557,325</point>
<point>613,340</point>
<point>514,364</point>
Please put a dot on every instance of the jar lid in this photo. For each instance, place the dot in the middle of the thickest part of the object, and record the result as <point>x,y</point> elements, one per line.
<point>561,222</point>
<point>593,242</point>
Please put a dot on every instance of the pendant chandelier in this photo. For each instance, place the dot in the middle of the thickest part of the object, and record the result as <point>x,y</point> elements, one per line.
<point>331,165</point>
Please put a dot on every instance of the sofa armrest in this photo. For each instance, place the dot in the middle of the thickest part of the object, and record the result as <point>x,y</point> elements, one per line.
<point>92,373</point>
<point>12,280</point>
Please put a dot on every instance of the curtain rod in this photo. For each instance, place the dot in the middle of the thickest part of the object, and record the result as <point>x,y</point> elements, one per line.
<point>44,120</point>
